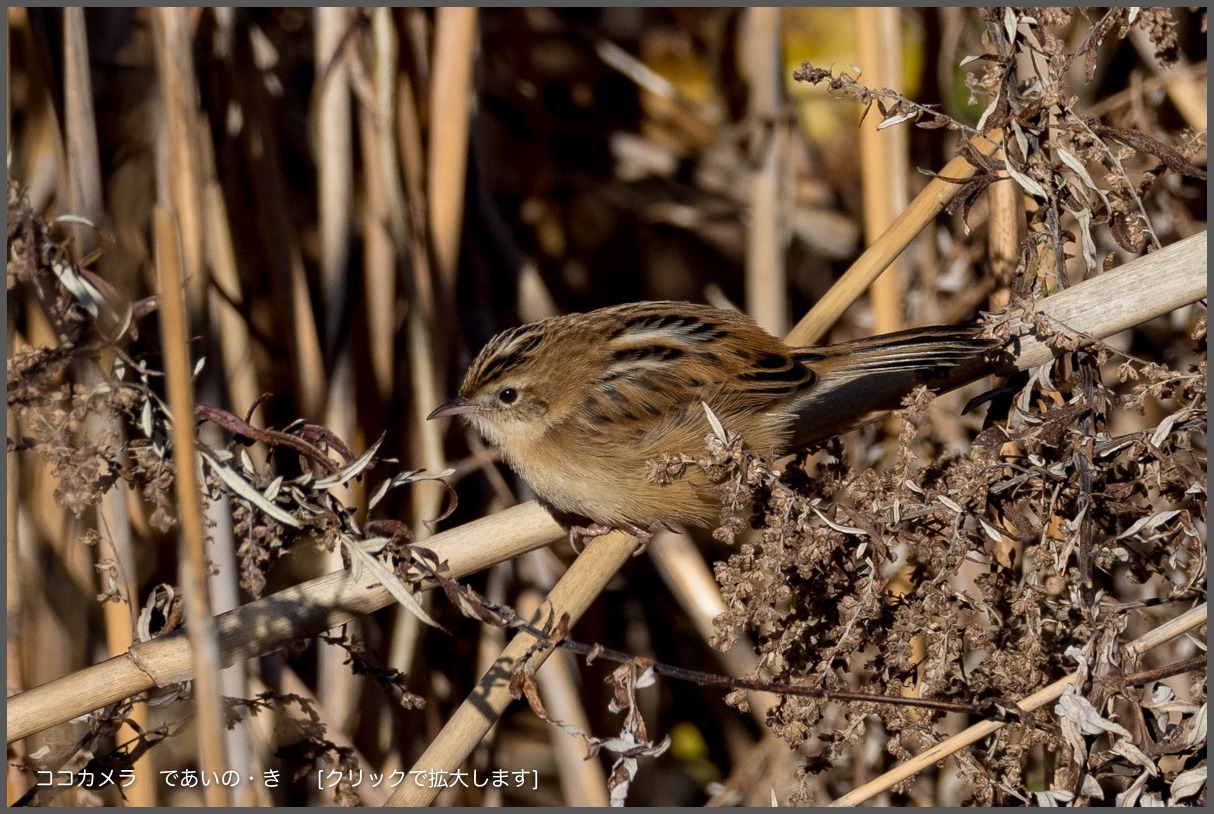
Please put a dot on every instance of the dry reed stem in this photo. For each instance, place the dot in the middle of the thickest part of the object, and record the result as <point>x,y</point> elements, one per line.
<point>884,160</point>
<point>1114,301</point>
<point>1187,621</point>
<point>225,593</point>
<point>83,171</point>
<point>387,73</point>
<point>334,164</point>
<point>427,333</point>
<point>766,237</point>
<point>178,160</point>
<point>1005,230</point>
<point>385,222</point>
<point>569,599</point>
<point>767,229</point>
<point>881,253</point>
<point>120,617</point>
<point>450,93</point>
<point>179,377</point>
<point>336,685</point>
<point>427,336</point>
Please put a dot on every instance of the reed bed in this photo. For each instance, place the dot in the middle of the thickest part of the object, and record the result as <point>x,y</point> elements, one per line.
<point>250,250</point>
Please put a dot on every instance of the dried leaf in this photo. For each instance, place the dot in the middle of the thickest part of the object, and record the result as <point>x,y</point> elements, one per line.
<point>1189,783</point>
<point>352,470</point>
<point>387,578</point>
<point>248,492</point>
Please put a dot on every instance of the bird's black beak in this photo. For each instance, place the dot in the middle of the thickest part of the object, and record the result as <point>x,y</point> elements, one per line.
<point>457,406</point>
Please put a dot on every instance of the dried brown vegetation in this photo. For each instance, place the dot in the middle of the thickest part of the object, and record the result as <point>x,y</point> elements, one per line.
<point>346,252</point>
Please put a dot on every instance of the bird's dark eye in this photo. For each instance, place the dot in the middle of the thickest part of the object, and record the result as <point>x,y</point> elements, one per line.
<point>508,395</point>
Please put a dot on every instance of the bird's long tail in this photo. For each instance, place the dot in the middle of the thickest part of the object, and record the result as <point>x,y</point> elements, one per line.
<point>860,380</point>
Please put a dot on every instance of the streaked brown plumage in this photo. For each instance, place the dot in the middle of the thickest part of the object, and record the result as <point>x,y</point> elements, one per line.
<point>578,404</point>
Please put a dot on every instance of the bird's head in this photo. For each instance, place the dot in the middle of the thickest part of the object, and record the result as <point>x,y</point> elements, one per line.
<point>516,389</point>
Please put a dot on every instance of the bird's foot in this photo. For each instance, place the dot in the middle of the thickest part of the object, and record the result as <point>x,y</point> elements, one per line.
<point>643,535</point>
<point>589,532</point>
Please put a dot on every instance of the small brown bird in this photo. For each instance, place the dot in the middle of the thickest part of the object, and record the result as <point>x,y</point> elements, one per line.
<point>577,404</point>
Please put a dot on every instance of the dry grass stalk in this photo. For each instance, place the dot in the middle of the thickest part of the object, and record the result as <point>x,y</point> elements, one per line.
<point>450,93</point>
<point>1006,232</point>
<point>384,221</point>
<point>767,228</point>
<point>334,163</point>
<point>194,568</point>
<point>80,125</point>
<point>337,686</point>
<point>179,162</point>
<point>1112,302</point>
<point>884,162</point>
